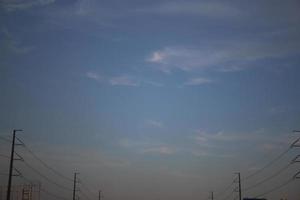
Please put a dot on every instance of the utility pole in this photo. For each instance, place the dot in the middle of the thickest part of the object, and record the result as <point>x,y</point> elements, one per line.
<point>296,144</point>
<point>74,188</point>
<point>11,164</point>
<point>212,195</point>
<point>99,194</point>
<point>239,185</point>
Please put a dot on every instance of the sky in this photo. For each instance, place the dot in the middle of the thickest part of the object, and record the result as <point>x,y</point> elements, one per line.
<point>152,100</point>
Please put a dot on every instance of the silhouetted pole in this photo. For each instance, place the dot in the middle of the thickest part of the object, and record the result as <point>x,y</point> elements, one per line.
<point>239,182</point>
<point>296,159</point>
<point>74,188</point>
<point>11,164</point>
<point>99,194</point>
<point>212,195</point>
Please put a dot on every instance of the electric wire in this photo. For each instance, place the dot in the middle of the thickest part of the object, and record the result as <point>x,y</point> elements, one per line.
<point>46,191</point>
<point>275,188</point>
<point>46,165</point>
<point>86,196</point>
<point>85,187</point>
<point>5,139</point>
<point>49,168</point>
<point>4,156</point>
<point>46,178</point>
<point>53,195</point>
<point>225,190</point>
<point>229,195</point>
<point>268,164</point>
<point>269,178</point>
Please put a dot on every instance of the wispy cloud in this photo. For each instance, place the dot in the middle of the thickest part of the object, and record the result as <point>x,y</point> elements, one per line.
<point>153,83</point>
<point>147,146</point>
<point>162,150</point>
<point>198,81</point>
<point>124,80</point>
<point>121,80</point>
<point>205,9</point>
<point>93,75</point>
<point>259,138</point>
<point>225,56</point>
<point>206,153</point>
<point>11,45</point>
<point>14,5</point>
<point>154,123</point>
<point>221,136</point>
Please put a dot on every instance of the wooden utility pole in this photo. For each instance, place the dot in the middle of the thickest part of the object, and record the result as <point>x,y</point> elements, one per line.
<point>75,184</point>
<point>11,164</point>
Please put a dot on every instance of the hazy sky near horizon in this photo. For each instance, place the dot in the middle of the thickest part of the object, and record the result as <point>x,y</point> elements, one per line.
<point>153,100</point>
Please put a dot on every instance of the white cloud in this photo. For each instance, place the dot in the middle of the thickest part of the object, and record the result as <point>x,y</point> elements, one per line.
<point>202,153</point>
<point>260,138</point>
<point>13,5</point>
<point>276,110</point>
<point>157,57</point>
<point>147,146</point>
<point>259,135</point>
<point>120,80</point>
<point>123,80</point>
<point>205,9</point>
<point>93,75</point>
<point>197,81</point>
<point>12,45</point>
<point>162,150</point>
<point>154,123</point>
<point>153,83</point>
<point>223,56</point>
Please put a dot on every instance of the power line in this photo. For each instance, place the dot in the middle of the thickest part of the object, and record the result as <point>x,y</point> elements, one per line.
<point>268,164</point>
<point>46,165</point>
<point>46,192</point>
<point>4,156</point>
<point>269,178</point>
<point>275,188</point>
<point>85,187</point>
<point>225,190</point>
<point>53,195</point>
<point>5,139</point>
<point>46,178</point>
<point>229,195</point>
<point>86,196</point>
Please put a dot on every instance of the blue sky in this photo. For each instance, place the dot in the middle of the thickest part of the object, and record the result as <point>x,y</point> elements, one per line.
<point>169,98</point>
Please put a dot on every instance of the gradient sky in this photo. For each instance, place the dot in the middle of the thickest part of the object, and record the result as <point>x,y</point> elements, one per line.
<point>152,100</point>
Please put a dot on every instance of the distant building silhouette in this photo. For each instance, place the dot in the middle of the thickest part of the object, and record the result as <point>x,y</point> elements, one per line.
<point>22,192</point>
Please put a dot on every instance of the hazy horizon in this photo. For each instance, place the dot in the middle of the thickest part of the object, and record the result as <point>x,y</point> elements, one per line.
<point>151,100</point>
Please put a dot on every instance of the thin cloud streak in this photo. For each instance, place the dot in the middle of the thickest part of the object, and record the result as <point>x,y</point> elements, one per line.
<point>197,81</point>
<point>226,57</point>
<point>12,5</point>
<point>205,9</point>
<point>121,80</point>
<point>124,80</point>
<point>147,146</point>
<point>154,123</point>
<point>11,45</point>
